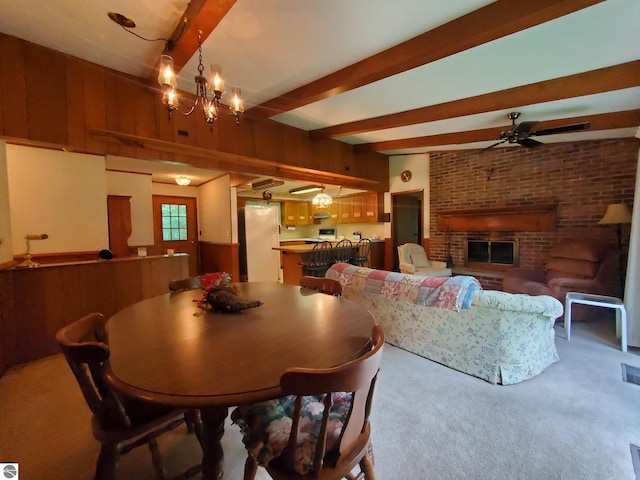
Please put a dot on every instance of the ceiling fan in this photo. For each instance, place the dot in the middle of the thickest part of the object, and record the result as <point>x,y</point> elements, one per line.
<point>522,132</point>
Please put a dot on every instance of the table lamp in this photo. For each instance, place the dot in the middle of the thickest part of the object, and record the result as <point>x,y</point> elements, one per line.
<point>28,263</point>
<point>617,213</point>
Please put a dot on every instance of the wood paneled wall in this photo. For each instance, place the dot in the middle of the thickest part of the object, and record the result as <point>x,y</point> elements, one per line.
<point>53,99</point>
<point>220,257</point>
<point>35,303</point>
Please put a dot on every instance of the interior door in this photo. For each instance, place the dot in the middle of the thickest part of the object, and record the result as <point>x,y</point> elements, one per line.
<point>175,226</point>
<point>406,221</point>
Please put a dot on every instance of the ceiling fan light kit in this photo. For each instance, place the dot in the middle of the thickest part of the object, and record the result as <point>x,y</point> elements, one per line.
<point>522,132</point>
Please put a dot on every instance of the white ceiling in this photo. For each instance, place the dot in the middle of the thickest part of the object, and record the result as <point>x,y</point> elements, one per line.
<point>272,47</point>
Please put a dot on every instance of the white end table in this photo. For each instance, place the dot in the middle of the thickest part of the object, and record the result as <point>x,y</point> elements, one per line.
<point>597,301</point>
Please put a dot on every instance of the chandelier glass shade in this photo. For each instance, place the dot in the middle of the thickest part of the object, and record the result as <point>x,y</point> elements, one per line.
<point>208,91</point>
<point>182,180</point>
<point>322,200</point>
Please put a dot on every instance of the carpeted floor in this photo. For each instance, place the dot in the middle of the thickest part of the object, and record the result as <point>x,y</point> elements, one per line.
<point>574,421</point>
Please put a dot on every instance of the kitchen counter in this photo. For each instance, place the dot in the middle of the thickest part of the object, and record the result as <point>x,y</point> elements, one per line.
<point>292,255</point>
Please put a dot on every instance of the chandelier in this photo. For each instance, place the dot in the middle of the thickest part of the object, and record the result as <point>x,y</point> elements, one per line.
<point>214,85</point>
<point>322,200</point>
<point>167,78</point>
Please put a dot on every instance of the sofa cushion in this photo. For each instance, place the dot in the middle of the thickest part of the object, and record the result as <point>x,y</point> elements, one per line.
<point>567,267</point>
<point>419,258</point>
<point>589,250</point>
<point>266,427</point>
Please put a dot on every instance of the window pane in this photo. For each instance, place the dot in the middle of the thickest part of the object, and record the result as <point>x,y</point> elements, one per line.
<point>174,222</point>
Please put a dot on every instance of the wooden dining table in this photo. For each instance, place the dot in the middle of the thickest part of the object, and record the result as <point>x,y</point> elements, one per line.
<point>166,349</point>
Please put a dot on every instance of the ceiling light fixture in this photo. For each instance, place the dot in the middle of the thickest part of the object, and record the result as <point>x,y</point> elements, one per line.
<point>182,180</point>
<point>322,200</point>
<point>210,106</point>
<point>268,183</point>
<point>305,189</point>
<point>168,83</point>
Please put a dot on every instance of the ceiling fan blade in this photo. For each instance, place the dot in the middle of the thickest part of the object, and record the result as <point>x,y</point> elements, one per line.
<point>530,143</point>
<point>524,127</point>
<point>491,146</point>
<point>566,128</point>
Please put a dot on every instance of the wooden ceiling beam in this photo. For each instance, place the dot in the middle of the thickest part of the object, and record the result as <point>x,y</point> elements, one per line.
<point>617,77</point>
<point>204,15</point>
<point>604,121</point>
<point>496,20</point>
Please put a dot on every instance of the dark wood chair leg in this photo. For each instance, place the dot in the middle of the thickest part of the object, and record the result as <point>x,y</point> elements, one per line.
<point>107,460</point>
<point>250,468</point>
<point>366,464</point>
<point>156,459</point>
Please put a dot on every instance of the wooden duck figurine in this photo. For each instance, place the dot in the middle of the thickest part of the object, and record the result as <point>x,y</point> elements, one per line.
<point>226,300</point>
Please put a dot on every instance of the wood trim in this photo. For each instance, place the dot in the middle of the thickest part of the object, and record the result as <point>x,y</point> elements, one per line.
<point>234,162</point>
<point>488,23</point>
<point>522,218</point>
<point>601,80</point>
<point>7,265</point>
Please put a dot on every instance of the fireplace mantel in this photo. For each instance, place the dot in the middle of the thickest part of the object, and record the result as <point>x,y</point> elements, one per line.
<point>520,218</point>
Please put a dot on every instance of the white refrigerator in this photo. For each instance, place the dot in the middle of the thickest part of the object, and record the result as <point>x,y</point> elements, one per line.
<point>259,232</point>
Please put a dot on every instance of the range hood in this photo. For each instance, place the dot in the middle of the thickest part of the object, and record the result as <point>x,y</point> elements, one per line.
<point>321,215</point>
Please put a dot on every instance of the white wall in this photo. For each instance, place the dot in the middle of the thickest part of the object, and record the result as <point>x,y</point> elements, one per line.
<point>215,211</point>
<point>6,252</point>
<point>58,193</point>
<point>138,186</point>
<point>419,166</point>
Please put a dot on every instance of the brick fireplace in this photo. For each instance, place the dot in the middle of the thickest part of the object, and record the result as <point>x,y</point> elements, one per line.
<point>579,179</point>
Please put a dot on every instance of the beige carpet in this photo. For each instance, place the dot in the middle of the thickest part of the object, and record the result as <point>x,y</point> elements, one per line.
<point>574,421</point>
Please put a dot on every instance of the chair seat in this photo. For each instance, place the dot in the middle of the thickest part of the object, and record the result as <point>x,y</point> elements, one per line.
<point>266,428</point>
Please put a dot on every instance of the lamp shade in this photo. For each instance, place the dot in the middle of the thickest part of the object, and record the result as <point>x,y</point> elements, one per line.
<point>616,213</point>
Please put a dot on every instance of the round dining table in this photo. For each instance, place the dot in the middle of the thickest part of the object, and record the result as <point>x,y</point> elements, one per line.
<point>166,349</point>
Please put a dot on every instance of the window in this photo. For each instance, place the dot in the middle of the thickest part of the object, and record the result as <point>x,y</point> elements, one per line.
<point>174,222</point>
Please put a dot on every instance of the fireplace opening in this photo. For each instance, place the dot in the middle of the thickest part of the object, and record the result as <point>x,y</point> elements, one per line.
<point>491,253</point>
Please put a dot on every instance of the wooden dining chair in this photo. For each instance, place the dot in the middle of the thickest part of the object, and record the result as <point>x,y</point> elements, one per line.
<point>329,286</point>
<point>119,423</point>
<point>361,255</point>
<point>326,418</point>
<point>343,251</point>
<point>319,260</point>
<point>189,283</point>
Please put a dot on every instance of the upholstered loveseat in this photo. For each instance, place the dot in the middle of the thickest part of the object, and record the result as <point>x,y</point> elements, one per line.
<point>498,337</point>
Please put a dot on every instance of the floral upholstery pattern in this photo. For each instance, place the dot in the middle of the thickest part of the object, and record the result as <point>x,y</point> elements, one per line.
<point>266,427</point>
<point>502,338</point>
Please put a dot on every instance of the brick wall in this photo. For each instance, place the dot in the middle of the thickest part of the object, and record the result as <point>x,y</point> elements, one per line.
<point>582,178</point>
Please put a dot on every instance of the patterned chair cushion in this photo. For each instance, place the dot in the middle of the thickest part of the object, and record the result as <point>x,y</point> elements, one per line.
<point>266,427</point>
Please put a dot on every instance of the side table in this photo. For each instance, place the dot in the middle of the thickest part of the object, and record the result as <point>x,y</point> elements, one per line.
<point>597,301</point>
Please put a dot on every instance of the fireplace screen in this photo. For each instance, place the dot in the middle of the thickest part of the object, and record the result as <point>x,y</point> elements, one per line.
<point>491,252</point>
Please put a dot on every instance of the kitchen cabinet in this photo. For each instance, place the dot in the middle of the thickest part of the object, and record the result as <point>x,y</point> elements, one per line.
<point>370,207</point>
<point>296,213</point>
<point>360,208</point>
<point>355,208</point>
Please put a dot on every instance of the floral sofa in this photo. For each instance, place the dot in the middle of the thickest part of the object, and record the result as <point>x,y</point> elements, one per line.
<point>496,336</point>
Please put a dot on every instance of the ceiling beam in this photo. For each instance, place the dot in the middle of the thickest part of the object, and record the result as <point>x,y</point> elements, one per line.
<point>601,80</point>
<point>496,20</point>
<point>604,121</point>
<point>200,15</point>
